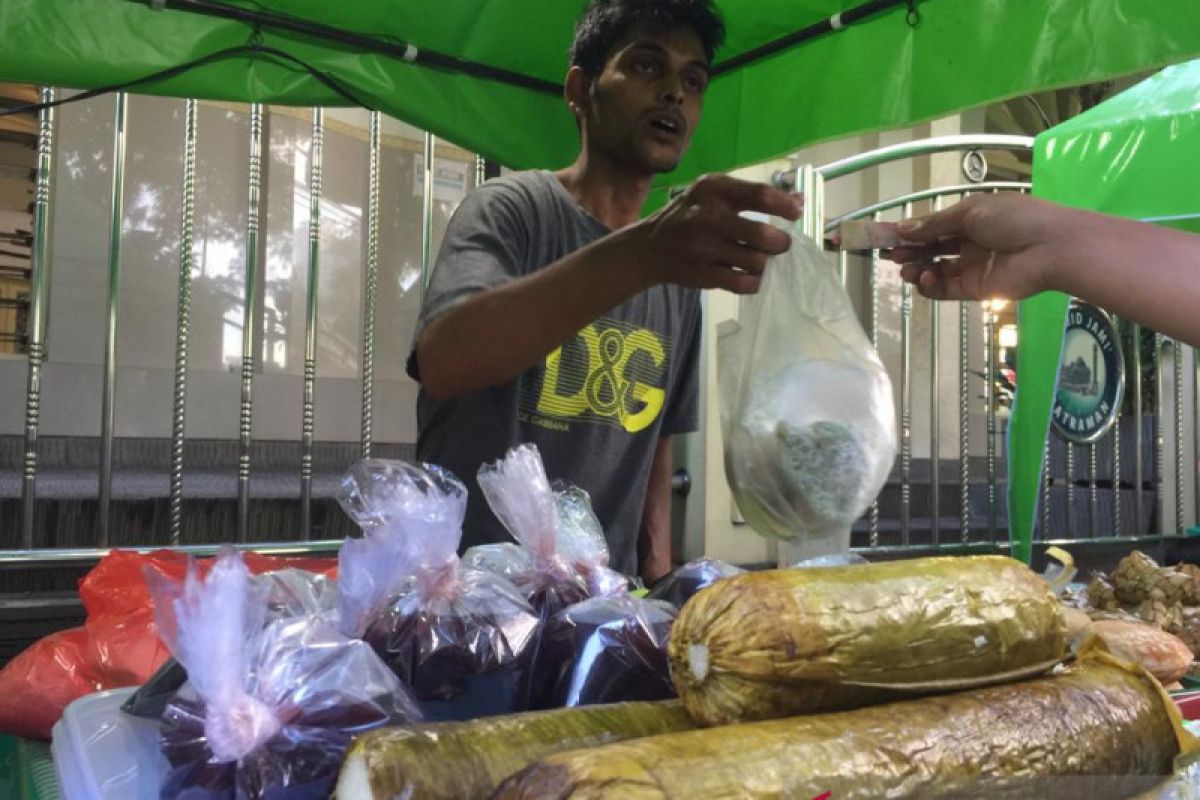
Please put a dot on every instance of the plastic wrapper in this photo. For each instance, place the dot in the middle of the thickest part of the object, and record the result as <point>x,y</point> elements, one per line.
<point>561,556</point>
<point>683,582</point>
<point>791,641</point>
<point>1166,657</point>
<point>1101,729</point>
<point>461,638</point>
<point>468,760</point>
<point>806,406</point>
<point>288,593</point>
<point>269,708</point>
<point>604,650</point>
<point>117,646</point>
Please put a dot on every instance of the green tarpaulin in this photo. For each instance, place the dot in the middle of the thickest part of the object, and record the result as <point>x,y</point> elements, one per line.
<point>1137,155</point>
<point>873,74</point>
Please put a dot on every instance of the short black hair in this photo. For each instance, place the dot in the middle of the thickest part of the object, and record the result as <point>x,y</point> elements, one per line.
<point>606,22</point>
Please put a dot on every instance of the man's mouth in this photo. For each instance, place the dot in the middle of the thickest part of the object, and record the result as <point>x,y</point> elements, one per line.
<point>670,124</point>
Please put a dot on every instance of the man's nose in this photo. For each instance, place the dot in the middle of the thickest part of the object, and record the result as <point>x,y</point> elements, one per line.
<point>671,89</point>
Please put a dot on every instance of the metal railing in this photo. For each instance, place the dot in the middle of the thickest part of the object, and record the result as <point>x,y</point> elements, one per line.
<point>809,179</point>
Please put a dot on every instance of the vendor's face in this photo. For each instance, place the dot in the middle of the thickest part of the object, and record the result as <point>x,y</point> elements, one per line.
<point>644,107</point>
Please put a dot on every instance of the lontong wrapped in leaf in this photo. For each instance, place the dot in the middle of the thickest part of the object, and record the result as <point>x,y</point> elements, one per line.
<point>1101,729</point>
<point>783,642</point>
<point>466,760</point>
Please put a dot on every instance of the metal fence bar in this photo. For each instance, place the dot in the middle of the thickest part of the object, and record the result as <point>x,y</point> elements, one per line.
<point>1177,364</point>
<point>906,304</point>
<point>1116,458</point>
<point>246,419</point>
<point>1046,493</point>
<point>1093,491</point>
<point>183,319</point>
<point>874,530</point>
<point>925,194</point>
<point>1070,490</point>
<point>368,376</point>
<point>1159,444</point>
<point>843,263</point>
<point>107,405</point>
<point>923,147</point>
<point>989,359</point>
<point>36,326</point>
<point>480,170</point>
<point>310,322</point>
<point>427,213</point>
<point>1139,466</point>
<point>964,420</point>
<point>935,415</point>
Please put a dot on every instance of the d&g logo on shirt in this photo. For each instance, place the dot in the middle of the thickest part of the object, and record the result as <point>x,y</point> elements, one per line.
<point>610,373</point>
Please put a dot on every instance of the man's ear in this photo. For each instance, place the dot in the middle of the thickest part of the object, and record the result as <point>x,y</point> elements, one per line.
<point>576,92</point>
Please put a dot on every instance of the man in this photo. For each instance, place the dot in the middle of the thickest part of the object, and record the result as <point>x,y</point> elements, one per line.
<point>555,316</point>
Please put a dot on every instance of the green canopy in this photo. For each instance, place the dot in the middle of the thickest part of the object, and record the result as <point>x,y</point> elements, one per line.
<point>877,72</point>
<point>1136,156</point>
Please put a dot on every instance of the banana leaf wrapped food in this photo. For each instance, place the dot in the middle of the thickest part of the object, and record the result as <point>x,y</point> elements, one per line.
<point>1101,729</point>
<point>465,760</point>
<point>784,642</point>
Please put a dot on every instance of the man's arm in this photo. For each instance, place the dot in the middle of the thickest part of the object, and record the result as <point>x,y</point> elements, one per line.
<point>654,538</point>
<point>697,240</point>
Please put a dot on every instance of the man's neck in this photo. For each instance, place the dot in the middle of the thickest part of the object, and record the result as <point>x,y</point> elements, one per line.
<point>613,194</point>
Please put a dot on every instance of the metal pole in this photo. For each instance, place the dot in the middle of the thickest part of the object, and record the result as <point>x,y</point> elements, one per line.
<point>1093,490</point>
<point>1139,476</point>
<point>1177,358</point>
<point>310,323</point>
<point>480,170</point>
<point>1046,493</point>
<point>810,183</point>
<point>183,318</point>
<point>39,285</point>
<point>427,213</point>
<point>368,377</point>
<point>964,420</point>
<point>1070,490</point>
<point>843,258</point>
<point>107,409</point>
<point>1159,457</point>
<point>989,332</point>
<point>906,302</point>
<point>935,414</point>
<point>874,534</point>
<point>246,418</point>
<point>1115,438</point>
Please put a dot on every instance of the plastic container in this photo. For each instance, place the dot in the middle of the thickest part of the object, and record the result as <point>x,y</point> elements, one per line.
<point>102,753</point>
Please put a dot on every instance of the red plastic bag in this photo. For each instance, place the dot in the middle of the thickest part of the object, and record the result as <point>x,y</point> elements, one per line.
<point>117,646</point>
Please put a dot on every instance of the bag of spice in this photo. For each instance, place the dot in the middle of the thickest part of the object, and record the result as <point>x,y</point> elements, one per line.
<point>459,637</point>
<point>269,708</point>
<point>806,406</point>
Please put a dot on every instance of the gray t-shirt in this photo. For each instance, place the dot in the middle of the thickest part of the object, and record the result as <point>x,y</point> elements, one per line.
<point>596,406</point>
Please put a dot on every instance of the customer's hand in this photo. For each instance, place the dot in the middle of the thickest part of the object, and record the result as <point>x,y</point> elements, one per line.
<point>986,247</point>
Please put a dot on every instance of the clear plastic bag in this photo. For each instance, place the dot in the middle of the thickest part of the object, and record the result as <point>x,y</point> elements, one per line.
<point>269,707</point>
<point>288,593</point>
<point>520,494</point>
<point>683,582</point>
<point>806,405</point>
<point>604,650</point>
<point>459,637</point>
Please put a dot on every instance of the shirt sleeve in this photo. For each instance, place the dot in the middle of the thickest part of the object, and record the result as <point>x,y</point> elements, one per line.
<point>683,402</point>
<point>485,245</point>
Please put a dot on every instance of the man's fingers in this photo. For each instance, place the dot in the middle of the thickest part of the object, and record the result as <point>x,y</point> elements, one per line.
<point>942,225</point>
<point>757,235</point>
<point>740,195</point>
<point>713,276</point>
<point>731,254</point>
<point>906,254</point>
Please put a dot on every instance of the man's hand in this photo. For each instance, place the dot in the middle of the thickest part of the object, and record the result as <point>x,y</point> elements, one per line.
<point>700,240</point>
<point>988,246</point>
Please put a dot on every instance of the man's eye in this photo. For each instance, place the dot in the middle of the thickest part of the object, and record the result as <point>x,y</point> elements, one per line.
<point>644,65</point>
<point>694,83</point>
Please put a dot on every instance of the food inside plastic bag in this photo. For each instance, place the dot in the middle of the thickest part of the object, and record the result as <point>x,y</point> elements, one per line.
<point>288,593</point>
<point>604,650</point>
<point>806,406</point>
<point>678,587</point>
<point>519,493</point>
<point>268,709</point>
<point>459,637</point>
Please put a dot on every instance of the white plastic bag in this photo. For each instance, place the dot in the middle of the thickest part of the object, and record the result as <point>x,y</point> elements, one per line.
<point>806,406</point>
